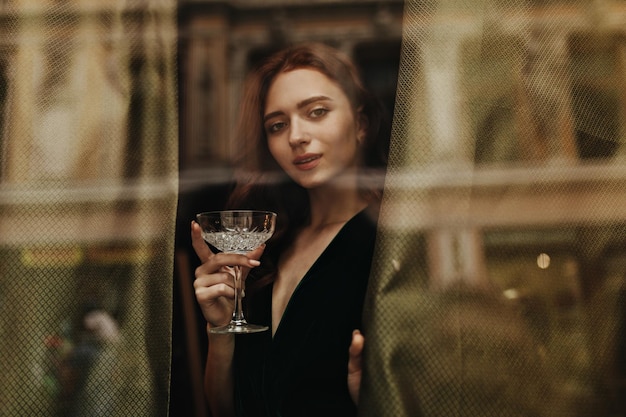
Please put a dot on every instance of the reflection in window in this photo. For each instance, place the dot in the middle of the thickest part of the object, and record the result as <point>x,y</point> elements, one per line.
<point>379,63</point>
<point>504,130</point>
<point>574,306</point>
<point>597,86</point>
<point>3,94</point>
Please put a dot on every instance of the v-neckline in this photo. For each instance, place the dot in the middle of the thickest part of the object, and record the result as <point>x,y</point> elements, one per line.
<point>306,276</point>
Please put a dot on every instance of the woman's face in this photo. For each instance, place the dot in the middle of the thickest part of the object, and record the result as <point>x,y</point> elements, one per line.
<point>311,128</point>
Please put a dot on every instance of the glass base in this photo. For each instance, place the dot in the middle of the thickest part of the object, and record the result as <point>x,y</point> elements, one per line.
<point>240,327</point>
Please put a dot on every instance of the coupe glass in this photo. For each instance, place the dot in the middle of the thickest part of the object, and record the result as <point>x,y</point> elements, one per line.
<point>237,231</point>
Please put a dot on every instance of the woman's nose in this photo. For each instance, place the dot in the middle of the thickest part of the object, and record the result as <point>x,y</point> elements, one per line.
<point>297,133</point>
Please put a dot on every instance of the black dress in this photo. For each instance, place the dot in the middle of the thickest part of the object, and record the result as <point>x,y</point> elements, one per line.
<point>302,371</point>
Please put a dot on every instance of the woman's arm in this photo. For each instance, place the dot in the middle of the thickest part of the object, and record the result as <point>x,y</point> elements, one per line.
<point>214,289</point>
<point>218,375</point>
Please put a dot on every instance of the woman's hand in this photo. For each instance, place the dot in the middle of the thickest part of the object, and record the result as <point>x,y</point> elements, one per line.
<point>214,286</point>
<point>355,365</point>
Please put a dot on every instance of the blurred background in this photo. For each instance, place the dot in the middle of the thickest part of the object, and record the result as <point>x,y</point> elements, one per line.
<point>507,174</point>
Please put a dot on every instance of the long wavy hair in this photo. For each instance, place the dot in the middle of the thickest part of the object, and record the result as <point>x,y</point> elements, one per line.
<point>261,183</point>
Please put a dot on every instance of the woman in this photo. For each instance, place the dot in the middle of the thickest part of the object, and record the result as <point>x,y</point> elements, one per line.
<point>311,139</point>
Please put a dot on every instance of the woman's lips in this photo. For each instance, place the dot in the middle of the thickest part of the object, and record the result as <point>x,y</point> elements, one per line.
<point>307,161</point>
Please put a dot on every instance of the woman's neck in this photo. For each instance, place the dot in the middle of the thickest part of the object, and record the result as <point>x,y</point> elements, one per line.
<point>334,206</point>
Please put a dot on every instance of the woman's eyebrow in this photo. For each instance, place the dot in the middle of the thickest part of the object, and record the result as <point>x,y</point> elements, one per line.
<point>272,114</point>
<point>310,100</point>
<point>300,105</point>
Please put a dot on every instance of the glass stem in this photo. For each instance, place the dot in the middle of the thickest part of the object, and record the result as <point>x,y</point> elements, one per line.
<point>238,312</point>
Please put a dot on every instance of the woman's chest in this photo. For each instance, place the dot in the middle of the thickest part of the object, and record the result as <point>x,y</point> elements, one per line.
<point>293,267</point>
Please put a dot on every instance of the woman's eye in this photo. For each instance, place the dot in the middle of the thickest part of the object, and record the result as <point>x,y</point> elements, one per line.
<point>318,112</point>
<point>275,127</point>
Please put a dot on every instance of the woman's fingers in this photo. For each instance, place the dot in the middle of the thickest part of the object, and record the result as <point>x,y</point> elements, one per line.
<point>355,365</point>
<point>217,262</point>
<point>198,244</point>
<point>355,362</point>
<point>224,277</point>
<point>212,292</point>
<point>215,294</point>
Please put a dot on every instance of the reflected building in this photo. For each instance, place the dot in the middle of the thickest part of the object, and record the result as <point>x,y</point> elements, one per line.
<point>508,172</point>
<point>512,119</point>
<point>88,177</point>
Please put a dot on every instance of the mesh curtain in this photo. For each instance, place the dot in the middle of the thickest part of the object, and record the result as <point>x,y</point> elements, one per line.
<point>498,283</point>
<point>88,154</point>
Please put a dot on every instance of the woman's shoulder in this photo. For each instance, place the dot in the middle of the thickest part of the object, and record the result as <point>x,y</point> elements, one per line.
<point>357,237</point>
